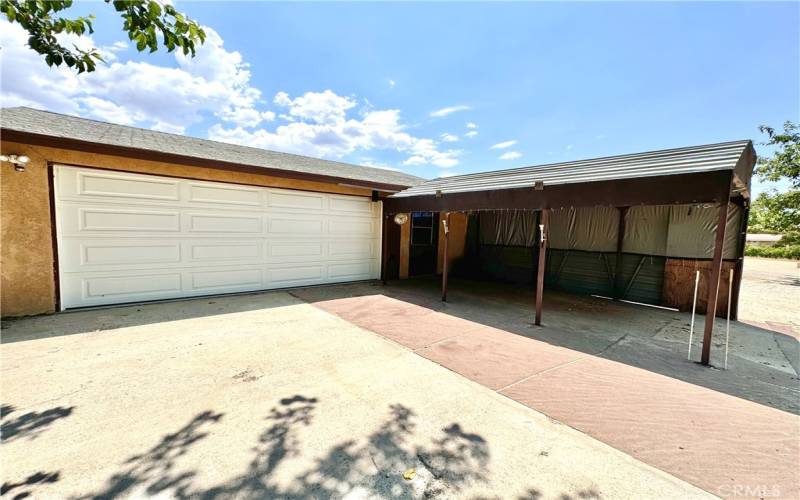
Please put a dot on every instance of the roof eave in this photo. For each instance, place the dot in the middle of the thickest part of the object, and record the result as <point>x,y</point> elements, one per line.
<point>12,135</point>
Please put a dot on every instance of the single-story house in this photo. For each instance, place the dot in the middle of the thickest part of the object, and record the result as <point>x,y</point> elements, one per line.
<point>107,214</point>
<point>763,239</point>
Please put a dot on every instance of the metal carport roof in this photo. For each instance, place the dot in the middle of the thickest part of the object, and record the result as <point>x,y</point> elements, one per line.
<point>687,160</point>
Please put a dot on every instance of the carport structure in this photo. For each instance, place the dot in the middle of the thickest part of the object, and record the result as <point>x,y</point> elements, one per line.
<point>660,215</point>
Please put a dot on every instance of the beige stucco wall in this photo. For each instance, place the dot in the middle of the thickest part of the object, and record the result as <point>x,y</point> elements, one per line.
<point>27,277</point>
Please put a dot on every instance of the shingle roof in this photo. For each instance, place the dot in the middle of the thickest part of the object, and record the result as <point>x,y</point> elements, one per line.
<point>32,121</point>
<point>722,156</point>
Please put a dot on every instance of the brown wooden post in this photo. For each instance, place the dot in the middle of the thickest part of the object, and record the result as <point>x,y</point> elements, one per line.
<point>618,282</point>
<point>543,229</point>
<point>385,249</point>
<point>713,281</point>
<point>446,258</point>
<point>737,272</point>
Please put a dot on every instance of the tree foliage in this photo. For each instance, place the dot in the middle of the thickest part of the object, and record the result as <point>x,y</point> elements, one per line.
<point>145,21</point>
<point>785,163</point>
<point>775,211</point>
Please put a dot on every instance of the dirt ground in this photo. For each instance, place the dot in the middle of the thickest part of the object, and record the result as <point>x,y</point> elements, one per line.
<point>770,294</point>
<point>266,396</point>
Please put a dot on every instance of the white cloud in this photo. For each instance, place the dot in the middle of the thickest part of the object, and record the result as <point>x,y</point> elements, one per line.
<point>471,125</point>
<point>392,83</point>
<point>510,155</point>
<point>425,152</point>
<point>471,133</point>
<point>318,107</point>
<point>109,52</point>
<point>322,125</point>
<point>569,147</point>
<point>449,110</point>
<point>213,89</point>
<point>370,162</point>
<point>449,137</point>
<point>216,82</point>
<point>503,145</point>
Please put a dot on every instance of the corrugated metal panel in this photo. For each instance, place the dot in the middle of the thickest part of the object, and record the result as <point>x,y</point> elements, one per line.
<point>510,264</point>
<point>649,282</point>
<point>580,272</point>
<point>722,156</point>
<point>593,273</point>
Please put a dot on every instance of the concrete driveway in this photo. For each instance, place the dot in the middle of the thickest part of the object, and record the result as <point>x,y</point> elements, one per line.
<point>267,396</point>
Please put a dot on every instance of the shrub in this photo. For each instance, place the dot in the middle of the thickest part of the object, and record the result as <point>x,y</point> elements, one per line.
<point>791,238</point>
<point>777,252</point>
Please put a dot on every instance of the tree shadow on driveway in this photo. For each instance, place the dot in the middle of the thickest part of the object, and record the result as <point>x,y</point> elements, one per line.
<point>371,467</point>
<point>29,425</point>
<point>32,480</point>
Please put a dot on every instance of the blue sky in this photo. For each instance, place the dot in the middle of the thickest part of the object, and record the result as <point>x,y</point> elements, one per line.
<point>563,80</point>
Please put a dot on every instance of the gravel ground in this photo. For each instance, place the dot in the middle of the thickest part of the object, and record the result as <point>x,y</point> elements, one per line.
<point>770,294</point>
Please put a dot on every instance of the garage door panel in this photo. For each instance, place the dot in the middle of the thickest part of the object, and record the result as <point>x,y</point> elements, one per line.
<point>91,255</point>
<point>295,275</point>
<point>350,271</point>
<point>113,187</point>
<point>224,223</point>
<point>295,251</point>
<point>226,280</point>
<point>349,204</point>
<point>76,219</point>
<point>352,227</point>
<point>119,288</point>
<point>295,226</point>
<point>352,249</point>
<point>294,200</point>
<point>224,194</point>
<point>133,237</point>
<point>223,251</point>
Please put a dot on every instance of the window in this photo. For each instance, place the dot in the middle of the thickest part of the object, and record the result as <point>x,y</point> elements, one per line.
<point>422,228</point>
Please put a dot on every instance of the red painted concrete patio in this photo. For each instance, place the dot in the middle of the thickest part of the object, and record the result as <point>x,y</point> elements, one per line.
<point>637,393</point>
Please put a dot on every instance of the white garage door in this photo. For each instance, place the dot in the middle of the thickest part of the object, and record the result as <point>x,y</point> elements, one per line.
<point>129,237</point>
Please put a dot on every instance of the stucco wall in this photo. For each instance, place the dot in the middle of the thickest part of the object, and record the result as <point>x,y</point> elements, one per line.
<point>27,278</point>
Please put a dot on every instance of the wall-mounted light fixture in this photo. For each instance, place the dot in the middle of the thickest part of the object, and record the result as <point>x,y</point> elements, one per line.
<point>18,161</point>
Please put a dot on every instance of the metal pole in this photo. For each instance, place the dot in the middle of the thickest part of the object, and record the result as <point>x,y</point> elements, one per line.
<point>543,227</point>
<point>728,321</point>
<point>694,306</point>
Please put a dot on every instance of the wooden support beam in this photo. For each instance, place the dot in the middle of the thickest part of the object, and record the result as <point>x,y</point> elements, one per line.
<point>713,282</point>
<point>543,230</point>
<point>446,259</point>
<point>737,271</point>
<point>618,282</point>
<point>385,248</point>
